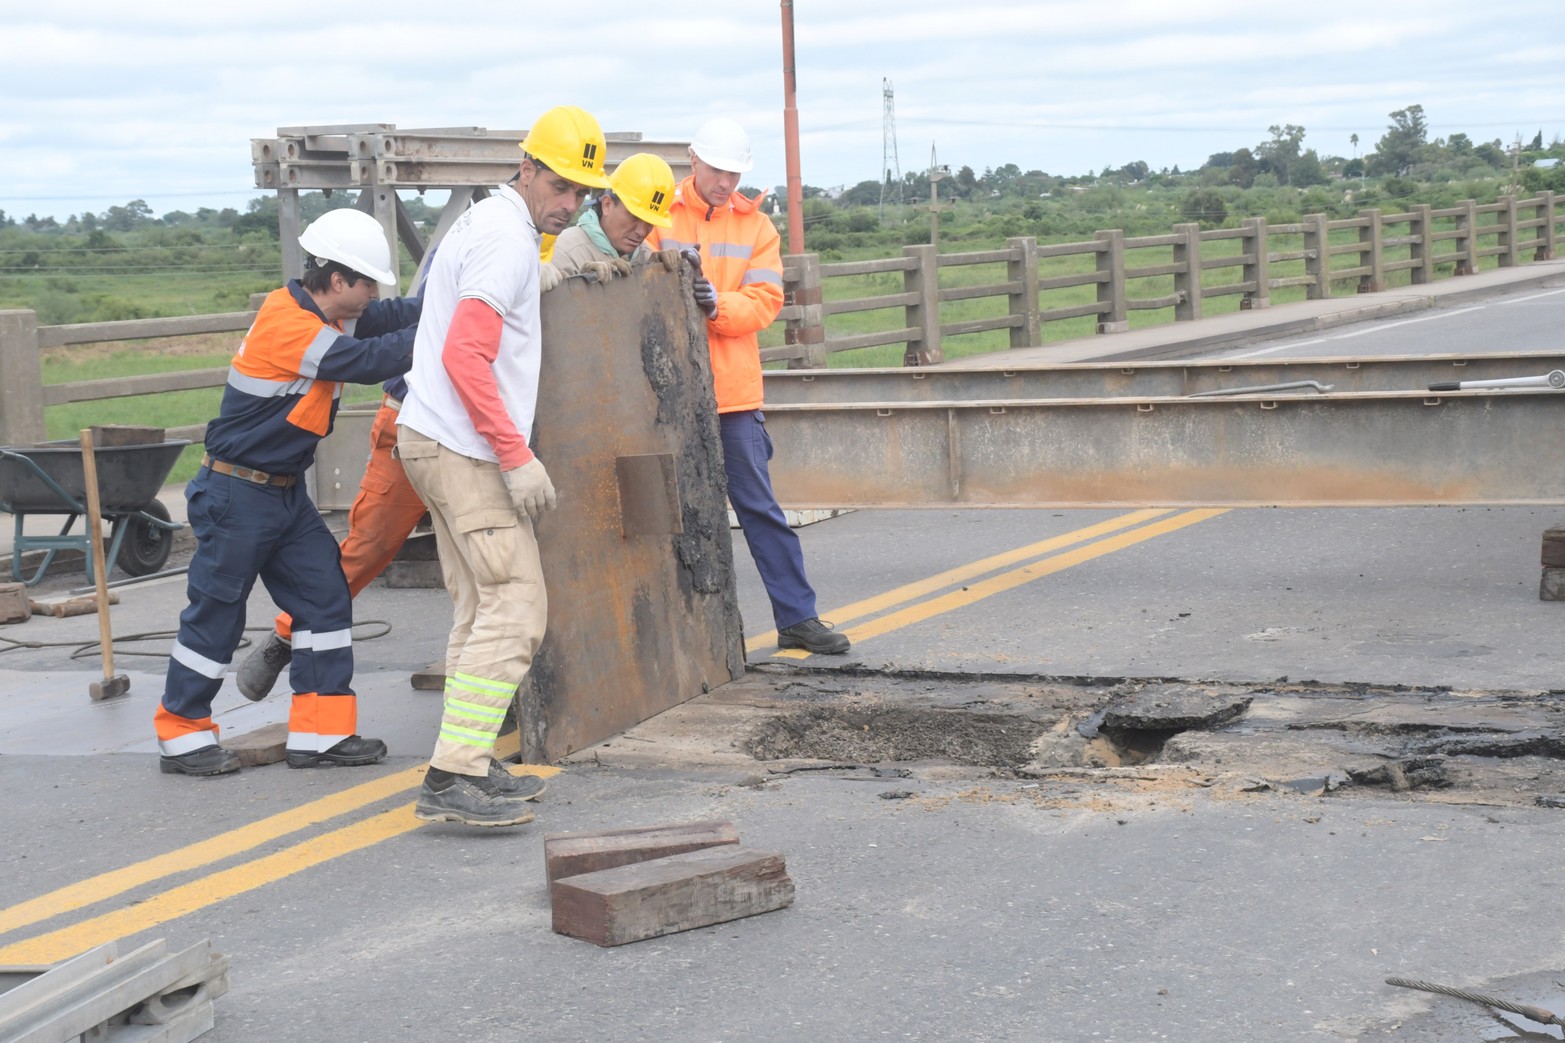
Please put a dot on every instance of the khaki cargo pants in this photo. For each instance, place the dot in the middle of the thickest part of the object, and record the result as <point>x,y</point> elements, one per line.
<point>489,559</point>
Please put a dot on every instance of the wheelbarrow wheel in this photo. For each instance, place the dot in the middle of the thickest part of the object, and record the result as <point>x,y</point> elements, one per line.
<point>146,547</point>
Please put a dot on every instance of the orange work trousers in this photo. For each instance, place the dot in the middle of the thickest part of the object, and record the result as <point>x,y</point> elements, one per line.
<point>384,512</point>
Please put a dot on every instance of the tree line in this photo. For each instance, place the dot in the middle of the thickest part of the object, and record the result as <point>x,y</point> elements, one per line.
<point>97,266</point>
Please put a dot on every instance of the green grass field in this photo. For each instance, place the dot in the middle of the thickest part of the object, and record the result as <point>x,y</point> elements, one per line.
<point>168,409</point>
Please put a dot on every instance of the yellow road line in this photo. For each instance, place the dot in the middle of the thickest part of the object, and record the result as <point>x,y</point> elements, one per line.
<point>187,898</point>
<point>1037,570</point>
<point>234,842</point>
<point>919,588</point>
<point>214,849</point>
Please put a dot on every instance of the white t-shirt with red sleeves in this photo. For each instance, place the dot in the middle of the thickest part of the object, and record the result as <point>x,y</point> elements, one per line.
<point>491,255</point>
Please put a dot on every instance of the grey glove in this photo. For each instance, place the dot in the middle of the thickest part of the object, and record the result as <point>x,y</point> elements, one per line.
<point>603,271</point>
<point>549,277</point>
<point>531,490</point>
<point>701,288</point>
<point>706,296</point>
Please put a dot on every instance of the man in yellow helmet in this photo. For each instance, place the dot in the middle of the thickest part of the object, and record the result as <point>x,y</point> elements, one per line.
<point>612,233</point>
<point>462,439</point>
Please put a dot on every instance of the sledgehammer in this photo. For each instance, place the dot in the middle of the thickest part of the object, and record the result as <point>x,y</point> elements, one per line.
<point>112,685</point>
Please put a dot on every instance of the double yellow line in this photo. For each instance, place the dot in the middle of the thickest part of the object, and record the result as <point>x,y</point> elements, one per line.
<point>224,884</point>
<point>901,607</point>
<point>1110,536</point>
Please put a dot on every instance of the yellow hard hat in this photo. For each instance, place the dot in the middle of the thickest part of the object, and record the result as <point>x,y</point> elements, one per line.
<point>645,184</point>
<point>569,142</point>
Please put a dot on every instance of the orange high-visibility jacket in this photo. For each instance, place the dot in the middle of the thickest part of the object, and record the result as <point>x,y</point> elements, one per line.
<point>285,381</point>
<point>740,255</point>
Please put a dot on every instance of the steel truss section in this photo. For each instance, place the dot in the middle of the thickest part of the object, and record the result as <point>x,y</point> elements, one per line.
<point>378,160</point>
<point>1147,379</point>
<point>1360,449</point>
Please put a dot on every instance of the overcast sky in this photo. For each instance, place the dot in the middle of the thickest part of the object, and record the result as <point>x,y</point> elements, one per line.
<point>102,103</point>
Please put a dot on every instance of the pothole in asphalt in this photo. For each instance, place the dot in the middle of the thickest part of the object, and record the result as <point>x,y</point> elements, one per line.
<point>877,735</point>
<point>1310,741</point>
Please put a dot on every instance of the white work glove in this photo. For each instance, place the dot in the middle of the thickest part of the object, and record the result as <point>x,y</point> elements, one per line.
<point>531,490</point>
<point>670,260</point>
<point>549,277</point>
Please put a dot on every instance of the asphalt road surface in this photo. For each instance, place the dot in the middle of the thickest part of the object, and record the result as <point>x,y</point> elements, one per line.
<point>1189,901</point>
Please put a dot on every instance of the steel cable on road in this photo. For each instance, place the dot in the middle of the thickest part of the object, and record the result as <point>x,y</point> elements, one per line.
<point>1538,1014</point>
<point>89,649</point>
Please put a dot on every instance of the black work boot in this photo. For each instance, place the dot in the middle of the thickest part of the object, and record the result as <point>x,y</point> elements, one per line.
<point>469,799</point>
<point>353,751</point>
<point>208,760</point>
<point>813,636</point>
<point>258,673</point>
<point>528,787</point>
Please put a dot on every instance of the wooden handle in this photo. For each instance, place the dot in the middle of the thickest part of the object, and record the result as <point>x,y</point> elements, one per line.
<point>99,566</point>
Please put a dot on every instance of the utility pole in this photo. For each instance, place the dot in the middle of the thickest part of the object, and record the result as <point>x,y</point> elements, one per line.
<point>1516,158</point>
<point>791,136</point>
<point>890,166</point>
<point>936,174</point>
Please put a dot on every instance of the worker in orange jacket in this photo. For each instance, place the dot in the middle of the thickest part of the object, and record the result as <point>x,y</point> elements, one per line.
<point>252,516</point>
<point>734,250</point>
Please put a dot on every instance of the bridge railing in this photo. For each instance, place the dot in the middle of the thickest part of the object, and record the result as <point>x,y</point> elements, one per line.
<point>1043,286</point>
<point>24,395</point>
<point>1112,275</point>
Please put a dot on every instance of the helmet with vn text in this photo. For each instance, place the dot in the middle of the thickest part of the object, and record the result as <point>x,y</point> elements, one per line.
<point>569,142</point>
<point>723,144</point>
<point>645,185</point>
<point>351,238</point>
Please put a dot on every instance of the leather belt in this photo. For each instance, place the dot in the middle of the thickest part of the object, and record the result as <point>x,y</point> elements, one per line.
<point>249,474</point>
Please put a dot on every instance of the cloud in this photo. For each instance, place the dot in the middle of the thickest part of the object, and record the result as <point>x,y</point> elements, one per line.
<point>160,100</point>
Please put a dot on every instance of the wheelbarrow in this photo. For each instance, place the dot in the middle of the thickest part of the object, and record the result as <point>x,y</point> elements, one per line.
<point>47,479</point>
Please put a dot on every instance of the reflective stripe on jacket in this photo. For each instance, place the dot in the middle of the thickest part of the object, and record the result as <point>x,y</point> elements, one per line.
<point>286,379</point>
<point>741,257</point>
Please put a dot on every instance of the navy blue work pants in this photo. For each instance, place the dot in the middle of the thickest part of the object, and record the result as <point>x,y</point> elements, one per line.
<point>246,531</point>
<point>747,449</point>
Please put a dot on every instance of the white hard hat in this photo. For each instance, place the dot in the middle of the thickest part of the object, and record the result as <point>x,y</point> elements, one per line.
<point>723,144</point>
<point>352,238</point>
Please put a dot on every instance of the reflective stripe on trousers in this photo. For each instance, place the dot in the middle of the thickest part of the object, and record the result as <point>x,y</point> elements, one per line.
<point>246,532</point>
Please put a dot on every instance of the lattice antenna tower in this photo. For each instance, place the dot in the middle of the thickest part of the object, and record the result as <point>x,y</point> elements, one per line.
<point>890,166</point>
